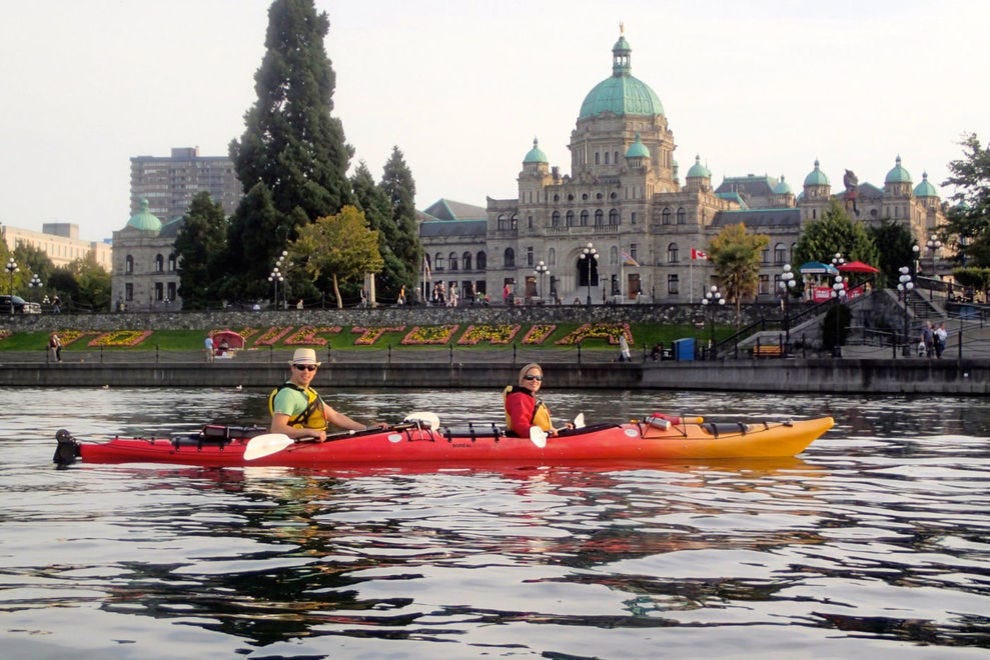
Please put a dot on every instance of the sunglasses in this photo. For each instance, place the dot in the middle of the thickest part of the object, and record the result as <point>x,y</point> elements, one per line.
<point>305,367</point>
<point>537,378</point>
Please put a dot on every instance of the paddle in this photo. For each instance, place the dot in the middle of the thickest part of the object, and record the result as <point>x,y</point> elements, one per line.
<point>538,436</point>
<point>265,445</point>
<point>579,421</point>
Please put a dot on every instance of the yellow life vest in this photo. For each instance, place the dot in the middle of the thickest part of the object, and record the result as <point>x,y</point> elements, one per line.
<point>311,417</point>
<point>541,414</point>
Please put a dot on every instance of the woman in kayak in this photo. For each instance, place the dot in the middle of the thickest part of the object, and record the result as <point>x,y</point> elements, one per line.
<point>522,408</point>
<point>297,410</point>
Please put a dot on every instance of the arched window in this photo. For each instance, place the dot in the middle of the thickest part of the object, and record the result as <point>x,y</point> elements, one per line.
<point>584,218</point>
<point>666,216</point>
<point>466,260</point>
<point>551,257</point>
<point>597,158</point>
<point>481,260</point>
<point>606,157</point>
<point>159,263</point>
<point>128,264</point>
<point>509,258</point>
<point>570,218</point>
<point>615,157</point>
<point>172,263</point>
<point>780,254</point>
<point>681,216</point>
<point>514,222</point>
<point>672,253</point>
<point>502,222</point>
<point>599,218</point>
<point>452,261</point>
<point>438,262</point>
<point>613,217</point>
<point>555,219</point>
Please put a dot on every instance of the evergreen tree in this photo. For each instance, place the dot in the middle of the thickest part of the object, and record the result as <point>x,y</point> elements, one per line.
<point>835,233</point>
<point>250,256</point>
<point>200,242</point>
<point>893,242</point>
<point>969,219</point>
<point>291,144</point>
<point>398,185</point>
<point>378,210</point>
<point>736,255</point>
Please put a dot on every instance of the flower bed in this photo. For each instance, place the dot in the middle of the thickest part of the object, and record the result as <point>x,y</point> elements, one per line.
<point>272,335</point>
<point>432,334</point>
<point>610,331</point>
<point>69,336</point>
<point>372,334</point>
<point>308,335</point>
<point>121,338</point>
<point>539,333</point>
<point>493,334</point>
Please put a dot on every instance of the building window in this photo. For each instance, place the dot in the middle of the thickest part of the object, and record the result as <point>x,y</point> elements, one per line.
<point>452,261</point>
<point>481,260</point>
<point>681,216</point>
<point>780,254</point>
<point>551,257</point>
<point>597,158</point>
<point>502,223</point>
<point>159,263</point>
<point>673,285</point>
<point>128,264</point>
<point>159,292</point>
<point>509,258</point>
<point>529,257</point>
<point>171,291</point>
<point>765,256</point>
<point>613,217</point>
<point>764,285</point>
<point>466,260</point>
<point>633,248</point>
<point>438,262</point>
<point>599,218</point>
<point>672,253</point>
<point>128,292</point>
<point>606,158</point>
<point>555,219</point>
<point>171,263</point>
<point>584,218</point>
<point>570,218</point>
<point>514,222</point>
<point>613,256</point>
<point>666,216</point>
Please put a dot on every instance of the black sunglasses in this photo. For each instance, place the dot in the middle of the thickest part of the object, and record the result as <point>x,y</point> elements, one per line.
<point>305,367</point>
<point>532,377</point>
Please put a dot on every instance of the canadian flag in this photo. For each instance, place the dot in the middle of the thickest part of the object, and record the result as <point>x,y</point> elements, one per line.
<point>698,254</point>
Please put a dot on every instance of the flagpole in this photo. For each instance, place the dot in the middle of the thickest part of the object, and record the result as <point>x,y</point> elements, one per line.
<point>691,280</point>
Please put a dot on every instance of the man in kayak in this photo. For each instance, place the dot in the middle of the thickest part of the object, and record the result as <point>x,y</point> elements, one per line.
<point>522,408</point>
<point>297,410</point>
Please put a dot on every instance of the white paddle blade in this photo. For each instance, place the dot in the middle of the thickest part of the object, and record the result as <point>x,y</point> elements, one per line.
<point>579,421</point>
<point>538,436</point>
<point>265,445</point>
<point>425,419</point>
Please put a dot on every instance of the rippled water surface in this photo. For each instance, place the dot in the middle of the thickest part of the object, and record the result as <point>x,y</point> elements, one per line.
<point>874,541</point>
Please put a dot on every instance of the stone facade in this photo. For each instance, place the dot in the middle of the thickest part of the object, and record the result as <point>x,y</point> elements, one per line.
<point>624,199</point>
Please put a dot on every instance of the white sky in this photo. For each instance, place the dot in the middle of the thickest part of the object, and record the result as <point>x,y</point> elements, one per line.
<point>463,87</point>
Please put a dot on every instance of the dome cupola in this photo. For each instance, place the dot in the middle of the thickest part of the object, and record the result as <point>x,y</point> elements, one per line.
<point>898,174</point>
<point>621,94</point>
<point>925,188</point>
<point>535,155</point>
<point>816,177</point>
<point>144,219</point>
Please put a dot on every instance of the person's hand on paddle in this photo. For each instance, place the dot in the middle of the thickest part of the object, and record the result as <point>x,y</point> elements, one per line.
<point>376,425</point>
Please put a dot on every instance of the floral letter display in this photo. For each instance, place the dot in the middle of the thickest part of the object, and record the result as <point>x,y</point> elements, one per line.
<point>370,335</point>
<point>434,334</point>
<point>538,333</point>
<point>493,334</point>
<point>122,338</point>
<point>610,331</point>
<point>308,335</point>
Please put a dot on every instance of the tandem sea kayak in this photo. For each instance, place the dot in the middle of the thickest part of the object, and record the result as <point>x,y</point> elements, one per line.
<point>659,438</point>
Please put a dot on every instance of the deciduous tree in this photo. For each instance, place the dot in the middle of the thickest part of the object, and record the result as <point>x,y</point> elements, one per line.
<point>736,254</point>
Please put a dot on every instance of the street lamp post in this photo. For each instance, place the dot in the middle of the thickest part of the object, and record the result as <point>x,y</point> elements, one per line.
<point>786,283</point>
<point>35,283</point>
<point>588,253</point>
<point>711,301</point>
<point>934,245</point>
<point>839,293</point>
<point>12,268</point>
<point>277,276</point>
<point>542,270</point>
<point>904,286</point>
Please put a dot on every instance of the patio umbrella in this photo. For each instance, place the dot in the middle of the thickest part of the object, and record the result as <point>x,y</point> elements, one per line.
<point>858,267</point>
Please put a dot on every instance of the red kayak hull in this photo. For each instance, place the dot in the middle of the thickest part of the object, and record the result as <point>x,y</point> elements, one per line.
<point>633,442</point>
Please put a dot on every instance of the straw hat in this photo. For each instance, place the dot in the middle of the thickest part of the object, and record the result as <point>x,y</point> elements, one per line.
<point>305,356</point>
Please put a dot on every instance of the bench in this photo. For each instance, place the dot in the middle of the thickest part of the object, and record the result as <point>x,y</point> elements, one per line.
<point>768,350</point>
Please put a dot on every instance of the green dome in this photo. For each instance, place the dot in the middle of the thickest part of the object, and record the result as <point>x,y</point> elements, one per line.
<point>898,174</point>
<point>925,188</point>
<point>783,188</point>
<point>145,219</point>
<point>698,170</point>
<point>535,154</point>
<point>622,94</point>
<point>637,149</point>
<point>816,177</point>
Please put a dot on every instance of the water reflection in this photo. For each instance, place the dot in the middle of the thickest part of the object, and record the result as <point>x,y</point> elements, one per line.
<point>875,536</point>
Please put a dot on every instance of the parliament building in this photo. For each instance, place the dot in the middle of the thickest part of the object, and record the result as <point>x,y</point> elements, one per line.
<point>624,226</point>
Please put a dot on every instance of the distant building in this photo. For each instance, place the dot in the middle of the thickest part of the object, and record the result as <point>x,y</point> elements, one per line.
<point>60,241</point>
<point>624,196</point>
<point>145,275</point>
<point>169,184</point>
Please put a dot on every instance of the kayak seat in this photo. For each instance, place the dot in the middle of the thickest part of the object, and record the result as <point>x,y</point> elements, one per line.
<point>474,431</point>
<point>590,428</point>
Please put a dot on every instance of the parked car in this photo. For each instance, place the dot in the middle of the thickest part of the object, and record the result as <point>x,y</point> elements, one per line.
<point>20,305</point>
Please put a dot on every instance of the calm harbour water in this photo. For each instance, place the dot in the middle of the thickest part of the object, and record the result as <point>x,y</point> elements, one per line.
<point>875,540</point>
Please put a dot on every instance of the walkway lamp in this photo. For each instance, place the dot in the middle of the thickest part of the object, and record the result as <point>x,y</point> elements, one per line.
<point>839,293</point>
<point>277,276</point>
<point>541,270</point>
<point>786,284</point>
<point>934,245</point>
<point>711,301</point>
<point>11,269</point>
<point>904,286</point>
<point>35,282</point>
<point>589,253</point>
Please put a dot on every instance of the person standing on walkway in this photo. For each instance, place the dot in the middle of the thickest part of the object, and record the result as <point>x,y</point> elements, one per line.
<point>55,346</point>
<point>941,336</point>
<point>928,337</point>
<point>208,347</point>
<point>624,355</point>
